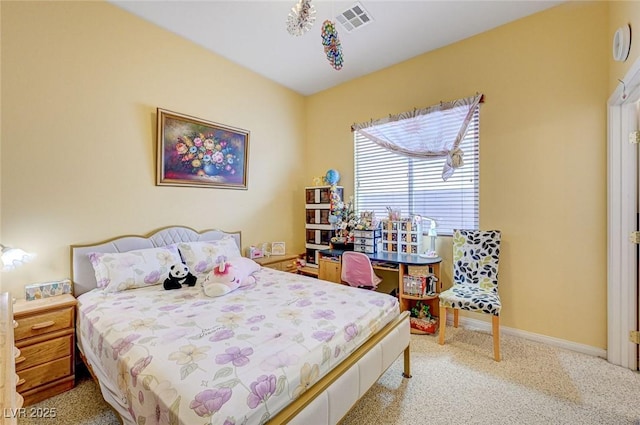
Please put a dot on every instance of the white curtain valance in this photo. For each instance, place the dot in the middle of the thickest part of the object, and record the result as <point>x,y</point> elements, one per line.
<point>433,132</point>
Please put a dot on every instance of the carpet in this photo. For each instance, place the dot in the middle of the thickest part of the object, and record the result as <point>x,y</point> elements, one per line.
<point>458,383</point>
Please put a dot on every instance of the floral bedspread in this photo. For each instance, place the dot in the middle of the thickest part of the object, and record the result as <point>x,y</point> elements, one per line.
<point>181,357</point>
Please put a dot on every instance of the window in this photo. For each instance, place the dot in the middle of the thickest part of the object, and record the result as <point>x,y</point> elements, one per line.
<point>415,185</point>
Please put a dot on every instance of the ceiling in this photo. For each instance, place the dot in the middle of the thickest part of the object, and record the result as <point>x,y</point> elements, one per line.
<point>254,33</point>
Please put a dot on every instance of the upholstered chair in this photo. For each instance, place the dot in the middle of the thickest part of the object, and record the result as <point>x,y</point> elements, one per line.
<point>475,280</point>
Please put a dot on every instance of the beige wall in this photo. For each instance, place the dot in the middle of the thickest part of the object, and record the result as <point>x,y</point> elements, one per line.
<point>620,14</point>
<point>543,154</point>
<point>81,82</point>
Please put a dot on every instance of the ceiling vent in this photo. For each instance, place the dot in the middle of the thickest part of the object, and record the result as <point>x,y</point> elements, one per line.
<point>353,18</point>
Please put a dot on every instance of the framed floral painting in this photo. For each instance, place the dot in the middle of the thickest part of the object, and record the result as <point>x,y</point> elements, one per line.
<point>199,153</point>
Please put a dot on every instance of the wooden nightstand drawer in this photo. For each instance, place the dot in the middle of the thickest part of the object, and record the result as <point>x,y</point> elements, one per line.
<point>289,266</point>
<point>44,373</point>
<point>285,266</point>
<point>35,354</point>
<point>42,323</point>
<point>45,335</point>
<point>285,263</point>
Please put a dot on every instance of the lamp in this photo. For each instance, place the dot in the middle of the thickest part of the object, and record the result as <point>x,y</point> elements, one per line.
<point>12,258</point>
<point>433,235</point>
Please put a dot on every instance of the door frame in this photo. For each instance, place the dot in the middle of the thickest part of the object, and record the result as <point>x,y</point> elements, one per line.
<point>622,219</point>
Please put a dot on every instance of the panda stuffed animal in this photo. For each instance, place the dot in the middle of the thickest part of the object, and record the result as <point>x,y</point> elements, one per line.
<point>179,275</point>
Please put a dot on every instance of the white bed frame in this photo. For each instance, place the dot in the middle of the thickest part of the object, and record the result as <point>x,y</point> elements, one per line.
<point>324,403</point>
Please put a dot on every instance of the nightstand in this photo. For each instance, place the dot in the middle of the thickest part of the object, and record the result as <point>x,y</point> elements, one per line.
<point>45,336</point>
<point>285,263</point>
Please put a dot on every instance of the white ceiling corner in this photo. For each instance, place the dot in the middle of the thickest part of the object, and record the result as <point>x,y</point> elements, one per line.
<point>254,34</point>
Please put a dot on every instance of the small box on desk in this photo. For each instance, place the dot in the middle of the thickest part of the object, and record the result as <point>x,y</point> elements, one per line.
<point>342,246</point>
<point>369,234</point>
<point>414,270</point>
<point>367,241</point>
<point>36,291</point>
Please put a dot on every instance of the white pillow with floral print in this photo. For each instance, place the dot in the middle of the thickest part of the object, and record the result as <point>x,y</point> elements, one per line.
<point>117,272</point>
<point>201,257</point>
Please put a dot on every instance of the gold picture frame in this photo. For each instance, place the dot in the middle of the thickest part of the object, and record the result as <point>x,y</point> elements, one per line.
<point>200,153</point>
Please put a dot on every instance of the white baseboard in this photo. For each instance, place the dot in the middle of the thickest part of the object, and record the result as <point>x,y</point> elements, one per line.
<point>469,323</point>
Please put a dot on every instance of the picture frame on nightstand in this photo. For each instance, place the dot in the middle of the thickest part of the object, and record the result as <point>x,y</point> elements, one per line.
<point>277,248</point>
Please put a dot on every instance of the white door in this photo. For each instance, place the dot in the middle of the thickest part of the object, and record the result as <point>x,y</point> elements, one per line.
<point>623,269</point>
<point>634,125</point>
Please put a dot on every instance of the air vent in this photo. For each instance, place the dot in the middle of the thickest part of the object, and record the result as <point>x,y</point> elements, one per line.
<point>353,18</point>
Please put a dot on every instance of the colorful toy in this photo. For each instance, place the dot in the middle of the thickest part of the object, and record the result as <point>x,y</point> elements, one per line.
<point>331,43</point>
<point>227,276</point>
<point>179,275</point>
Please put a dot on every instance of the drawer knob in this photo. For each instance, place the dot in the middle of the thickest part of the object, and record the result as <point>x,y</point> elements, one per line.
<point>20,359</point>
<point>20,382</point>
<point>43,325</point>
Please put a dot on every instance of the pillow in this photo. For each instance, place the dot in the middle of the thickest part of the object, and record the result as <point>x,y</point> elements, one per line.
<point>133,269</point>
<point>229,275</point>
<point>201,257</point>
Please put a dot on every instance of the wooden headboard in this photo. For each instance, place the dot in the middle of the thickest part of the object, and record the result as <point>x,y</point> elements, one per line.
<point>83,275</point>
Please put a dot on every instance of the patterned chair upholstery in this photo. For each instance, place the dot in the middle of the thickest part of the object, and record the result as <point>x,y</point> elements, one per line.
<point>476,254</point>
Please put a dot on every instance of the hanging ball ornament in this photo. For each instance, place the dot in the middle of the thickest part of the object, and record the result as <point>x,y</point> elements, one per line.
<point>301,18</point>
<point>331,43</point>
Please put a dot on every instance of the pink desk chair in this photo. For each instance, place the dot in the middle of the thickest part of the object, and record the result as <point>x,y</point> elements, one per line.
<point>357,271</point>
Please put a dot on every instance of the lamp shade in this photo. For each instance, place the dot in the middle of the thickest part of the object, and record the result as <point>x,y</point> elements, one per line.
<point>13,257</point>
<point>433,235</point>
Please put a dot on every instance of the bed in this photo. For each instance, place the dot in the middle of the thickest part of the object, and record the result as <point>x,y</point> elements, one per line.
<point>285,349</point>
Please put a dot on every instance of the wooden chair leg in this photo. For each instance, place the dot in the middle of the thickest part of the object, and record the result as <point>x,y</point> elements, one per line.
<point>443,324</point>
<point>496,337</point>
<point>456,315</point>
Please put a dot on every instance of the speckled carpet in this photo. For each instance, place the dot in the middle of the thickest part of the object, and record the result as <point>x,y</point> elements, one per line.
<point>458,383</point>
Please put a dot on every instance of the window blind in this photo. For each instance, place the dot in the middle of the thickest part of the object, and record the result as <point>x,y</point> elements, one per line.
<point>415,186</point>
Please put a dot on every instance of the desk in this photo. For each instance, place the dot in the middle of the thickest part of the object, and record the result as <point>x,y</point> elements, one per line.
<point>329,268</point>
